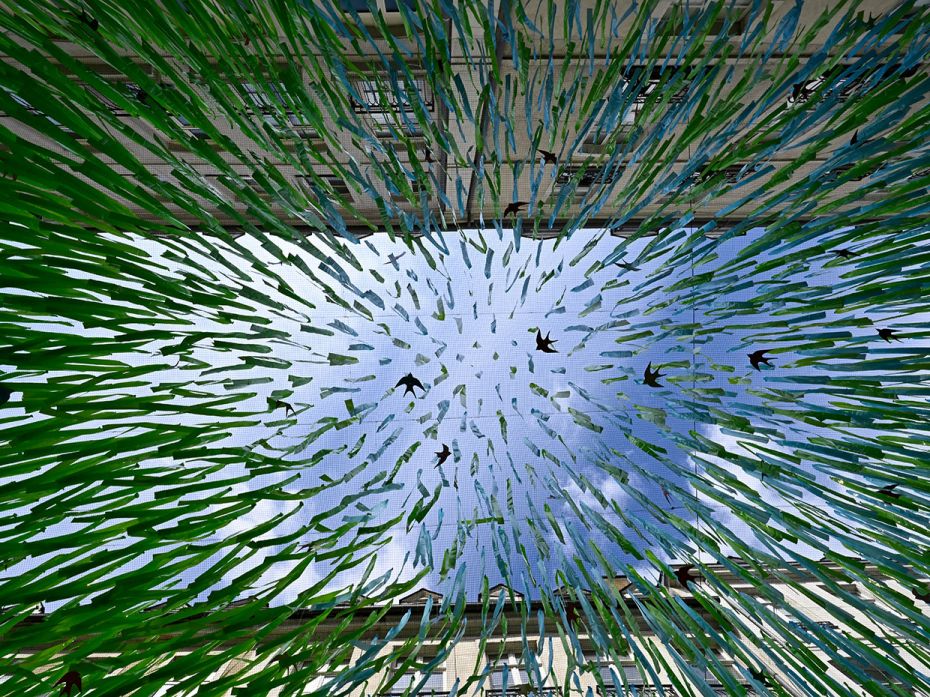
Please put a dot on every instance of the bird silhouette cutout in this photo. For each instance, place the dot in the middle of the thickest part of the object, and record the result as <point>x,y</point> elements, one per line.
<point>854,139</point>
<point>544,345</point>
<point>626,265</point>
<point>443,454</point>
<point>572,612</point>
<point>683,575</point>
<point>88,20</point>
<point>5,395</point>
<point>650,376</point>
<point>139,94</point>
<point>762,677</point>
<point>409,382</point>
<point>757,357</point>
<point>278,404</point>
<point>69,681</point>
<point>844,253</point>
<point>887,334</point>
<point>867,23</point>
<point>889,491</point>
<point>514,208</point>
<point>549,158</point>
<point>394,258</point>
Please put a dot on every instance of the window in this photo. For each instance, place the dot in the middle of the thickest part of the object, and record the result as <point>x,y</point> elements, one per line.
<point>434,684</point>
<point>835,174</point>
<point>599,140</point>
<point>802,92</point>
<point>104,101</point>
<point>615,677</point>
<point>840,82</point>
<point>645,82</point>
<point>401,198</point>
<point>311,189</point>
<point>509,677</point>
<point>361,6</point>
<point>592,176</point>
<point>387,107</point>
<point>319,681</point>
<point>185,123</point>
<point>732,174</point>
<point>192,131</point>
<point>262,100</point>
<point>270,101</point>
<point>38,112</point>
<point>802,631</point>
<point>683,17</point>
<point>119,82</point>
<point>391,100</point>
<point>249,181</point>
<point>718,688</point>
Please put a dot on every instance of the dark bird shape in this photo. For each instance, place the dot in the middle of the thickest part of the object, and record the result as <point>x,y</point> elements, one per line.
<point>5,395</point>
<point>867,23</point>
<point>89,21</point>
<point>549,158</point>
<point>887,334</point>
<point>757,357</point>
<point>650,376</point>
<point>889,491</point>
<point>626,265</point>
<point>572,612</point>
<point>139,94</point>
<point>69,681</point>
<point>409,382</point>
<point>443,454</point>
<point>854,139</point>
<point>393,259</point>
<point>761,676</point>
<point>683,575</point>
<point>545,345</point>
<point>514,208</point>
<point>278,404</point>
<point>427,156</point>
<point>844,253</point>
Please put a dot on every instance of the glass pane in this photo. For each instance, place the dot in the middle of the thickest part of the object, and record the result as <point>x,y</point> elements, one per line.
<point>394,5</point>
<point>357,5</point>
<point>434,681</point>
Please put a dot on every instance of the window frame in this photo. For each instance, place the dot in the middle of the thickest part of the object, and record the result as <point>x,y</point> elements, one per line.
<point>594,176</point>
<point>380,5</point>
<point>416,675</point>
<point>338,184</point>
<point>737,11</point>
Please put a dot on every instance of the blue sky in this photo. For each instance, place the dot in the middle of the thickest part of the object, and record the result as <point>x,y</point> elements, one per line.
<point>467,330</point>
